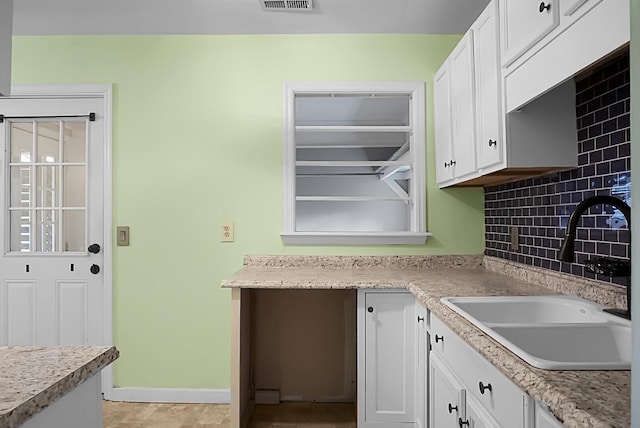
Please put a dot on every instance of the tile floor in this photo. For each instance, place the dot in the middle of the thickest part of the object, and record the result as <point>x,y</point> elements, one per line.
<point>168,415</point>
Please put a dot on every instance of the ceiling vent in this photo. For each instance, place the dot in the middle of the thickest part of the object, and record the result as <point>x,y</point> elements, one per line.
<point>288,5</point>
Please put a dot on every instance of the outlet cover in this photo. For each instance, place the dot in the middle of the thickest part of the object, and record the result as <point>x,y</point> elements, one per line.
<point>226,231</point>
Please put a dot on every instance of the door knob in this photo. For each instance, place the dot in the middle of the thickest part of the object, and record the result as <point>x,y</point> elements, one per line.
<point>370,309</point>
<point>94,248</point>
<point>95,269</point>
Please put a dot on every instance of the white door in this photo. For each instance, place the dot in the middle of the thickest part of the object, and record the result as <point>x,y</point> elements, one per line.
<point>442,120</point>
<point>52,169</point>
<point>389,358</point>
<point>422,357</point>
<point>462,100</point>
<point>477,416</point>
<point>489,140</point>
<point>446,406</point>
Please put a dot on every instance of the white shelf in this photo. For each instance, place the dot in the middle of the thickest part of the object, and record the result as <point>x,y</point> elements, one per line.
<point>351,128</point>
<point>353,163</point>
<point>351,198</point>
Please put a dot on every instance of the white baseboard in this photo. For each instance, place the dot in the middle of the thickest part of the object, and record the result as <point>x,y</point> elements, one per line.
<point>170,395</point>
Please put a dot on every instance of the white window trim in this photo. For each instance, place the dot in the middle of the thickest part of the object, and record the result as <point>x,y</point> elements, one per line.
<point>418,234</point>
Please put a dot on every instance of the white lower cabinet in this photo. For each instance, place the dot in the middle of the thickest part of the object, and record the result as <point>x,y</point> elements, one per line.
<point>414,372</point>
<point>386,358</point>
<point>544,418</point>
<point>446,395</point>
<point>422,366</point>
<point>484,396</point>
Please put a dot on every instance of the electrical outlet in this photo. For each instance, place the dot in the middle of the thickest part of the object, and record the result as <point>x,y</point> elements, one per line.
<point>226,231</point>
<point>515,238</point>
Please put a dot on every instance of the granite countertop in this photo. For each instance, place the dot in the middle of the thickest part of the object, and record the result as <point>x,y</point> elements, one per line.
<point>595,398</point>
<point>33,377</point>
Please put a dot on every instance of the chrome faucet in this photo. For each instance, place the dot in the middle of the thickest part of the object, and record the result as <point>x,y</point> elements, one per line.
<point>601,266</point>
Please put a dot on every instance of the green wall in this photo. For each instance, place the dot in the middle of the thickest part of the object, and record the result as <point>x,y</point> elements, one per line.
<point>197,138</point>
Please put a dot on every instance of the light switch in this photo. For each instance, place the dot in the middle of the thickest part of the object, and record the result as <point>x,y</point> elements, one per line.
<point>122,236</point>
<point>226,231</point>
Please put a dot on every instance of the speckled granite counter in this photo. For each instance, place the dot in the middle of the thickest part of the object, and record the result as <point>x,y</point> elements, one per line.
<point>595,398</point>
<point>32,378</point>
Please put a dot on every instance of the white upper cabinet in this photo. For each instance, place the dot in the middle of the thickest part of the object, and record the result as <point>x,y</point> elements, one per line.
<point>510,112</point>
<point>490,143</point>
<point>442,123</point>
<point>454,116</point>
<point>524,23</point>
<point>6,32</point>
<point>354,163</point>
<point>586,31</point>
<point>462,107</point>
<point>576,8</point>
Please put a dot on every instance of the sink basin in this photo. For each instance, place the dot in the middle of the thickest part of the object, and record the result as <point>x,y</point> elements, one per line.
<point>575,347</point>
<point>555,332</point>
<point>527,309</point>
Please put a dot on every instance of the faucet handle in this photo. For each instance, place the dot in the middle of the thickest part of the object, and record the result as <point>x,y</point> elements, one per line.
<point>609,267</point>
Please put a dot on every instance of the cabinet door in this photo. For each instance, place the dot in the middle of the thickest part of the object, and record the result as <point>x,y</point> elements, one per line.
<point>442,120</point>
<point>544,418</point>
<point>478,417</point>
<point>524,22</point>
<point>463,107</point>
<point>446,395</point>
<point>490,141</point>
<point>389,355</point>
<point>577,8</point>
<point>422,355</point>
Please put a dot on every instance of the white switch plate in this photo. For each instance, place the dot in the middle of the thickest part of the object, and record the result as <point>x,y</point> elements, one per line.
<point>226,231</point>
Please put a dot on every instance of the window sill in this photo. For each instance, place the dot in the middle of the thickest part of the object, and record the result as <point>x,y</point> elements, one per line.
<point>355,238</point>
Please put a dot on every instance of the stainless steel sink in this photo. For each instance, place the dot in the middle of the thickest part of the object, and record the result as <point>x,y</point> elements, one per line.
<point>555,332</point>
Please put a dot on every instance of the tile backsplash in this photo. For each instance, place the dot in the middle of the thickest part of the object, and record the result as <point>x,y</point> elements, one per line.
<point>540,207</point>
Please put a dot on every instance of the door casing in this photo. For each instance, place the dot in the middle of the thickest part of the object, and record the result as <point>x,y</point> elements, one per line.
<point>104,91</point>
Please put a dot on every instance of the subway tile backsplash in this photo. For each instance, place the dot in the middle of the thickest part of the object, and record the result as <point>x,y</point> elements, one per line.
<point>540,207</point>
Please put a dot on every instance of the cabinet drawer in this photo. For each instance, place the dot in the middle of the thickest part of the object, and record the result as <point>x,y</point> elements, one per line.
<point>501,397</point>
<point>524,23</point>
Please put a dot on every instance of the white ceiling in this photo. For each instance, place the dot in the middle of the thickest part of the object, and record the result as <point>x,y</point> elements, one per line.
<point>71,17</point>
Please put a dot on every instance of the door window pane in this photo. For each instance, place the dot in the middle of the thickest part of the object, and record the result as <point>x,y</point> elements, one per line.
<point>74,230</point>
<point>74,178</point>
<point>47,189</point>
<point>48,142</point>
<point>75,138</point>
<point>48,186</point>
<point>46,240</point>
<point>21,136</point>
<point>20,231</point>
<point>20,186</point>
